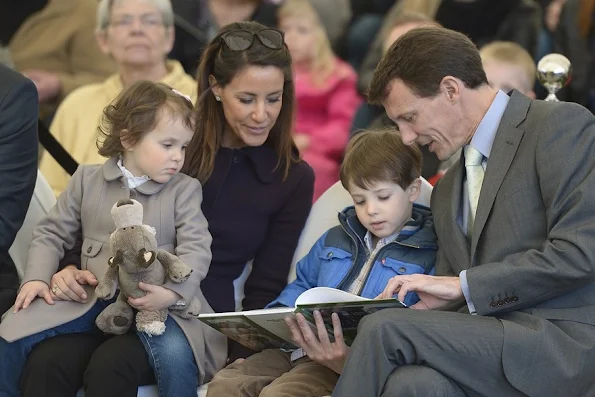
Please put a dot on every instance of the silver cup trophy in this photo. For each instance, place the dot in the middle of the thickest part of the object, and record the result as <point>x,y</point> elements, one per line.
<point>554,72</point>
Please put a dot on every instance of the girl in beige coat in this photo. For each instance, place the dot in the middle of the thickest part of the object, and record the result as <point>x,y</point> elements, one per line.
<point>145,134</point>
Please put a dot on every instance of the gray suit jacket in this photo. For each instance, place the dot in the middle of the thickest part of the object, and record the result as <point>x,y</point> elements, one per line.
<point>531,261</point>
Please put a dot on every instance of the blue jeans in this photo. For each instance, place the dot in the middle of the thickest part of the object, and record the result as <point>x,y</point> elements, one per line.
<point>172,360</point>
<point>170,355</point>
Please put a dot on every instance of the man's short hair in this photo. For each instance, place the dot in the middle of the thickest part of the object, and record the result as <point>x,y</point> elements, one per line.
<point>422,57</point>
<point>511,53</point>
<point>378,156</point>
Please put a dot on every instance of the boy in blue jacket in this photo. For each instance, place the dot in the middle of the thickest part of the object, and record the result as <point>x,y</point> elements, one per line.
<point>384,234</point>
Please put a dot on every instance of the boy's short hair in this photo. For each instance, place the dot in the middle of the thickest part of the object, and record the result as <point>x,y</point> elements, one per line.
<point>511,53</point>
<point>380,155</point>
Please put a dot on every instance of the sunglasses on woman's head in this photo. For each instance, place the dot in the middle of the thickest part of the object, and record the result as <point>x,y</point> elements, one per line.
<point>240,39</point>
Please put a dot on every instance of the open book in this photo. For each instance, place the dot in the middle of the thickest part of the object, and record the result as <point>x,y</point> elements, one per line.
<point>266,328</point>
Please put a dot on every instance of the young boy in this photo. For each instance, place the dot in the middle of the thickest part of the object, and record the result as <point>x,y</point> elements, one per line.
<point>509,66</point>
<point>383,235</point>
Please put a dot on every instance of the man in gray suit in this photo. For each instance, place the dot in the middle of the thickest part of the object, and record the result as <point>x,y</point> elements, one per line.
<point>18,169</point>
<point>511,311</point>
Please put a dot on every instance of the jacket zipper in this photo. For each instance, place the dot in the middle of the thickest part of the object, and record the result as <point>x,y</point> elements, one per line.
<point>349,273</point>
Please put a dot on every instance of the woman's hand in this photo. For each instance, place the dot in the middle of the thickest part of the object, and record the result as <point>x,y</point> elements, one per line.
<point>31,290</point>
<point>318,347</point>
<point>157,297</point>
<point>66,284</point>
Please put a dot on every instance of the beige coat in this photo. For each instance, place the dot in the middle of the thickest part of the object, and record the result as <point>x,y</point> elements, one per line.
<point>75,123</point>
<point>60,38</point>
<point>174,210</point>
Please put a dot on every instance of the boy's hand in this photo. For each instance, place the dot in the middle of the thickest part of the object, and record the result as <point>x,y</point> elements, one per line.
<point>30,291</point>
<point>433,291</point>
<point>318,347</point>
<point>157,298</point>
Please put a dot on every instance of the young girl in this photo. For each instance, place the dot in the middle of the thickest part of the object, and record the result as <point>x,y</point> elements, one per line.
<point>325,90</point>
<point>145,134</point>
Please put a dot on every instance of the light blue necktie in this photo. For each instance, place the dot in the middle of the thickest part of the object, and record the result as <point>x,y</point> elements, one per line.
<point>475,174</point>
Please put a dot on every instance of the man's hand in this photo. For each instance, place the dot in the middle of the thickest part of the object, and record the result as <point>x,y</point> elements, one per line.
<point>157,297</point>
<point>31,290</point>
<point>433,291</point>
<point>48,84</point>
<point>318,347</point>
<point>66,284</point>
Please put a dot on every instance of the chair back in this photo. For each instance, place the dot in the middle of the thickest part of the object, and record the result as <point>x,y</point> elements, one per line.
<point>42,201</point>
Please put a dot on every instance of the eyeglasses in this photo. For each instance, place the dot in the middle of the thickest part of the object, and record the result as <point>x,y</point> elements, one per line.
<point>240,39</point>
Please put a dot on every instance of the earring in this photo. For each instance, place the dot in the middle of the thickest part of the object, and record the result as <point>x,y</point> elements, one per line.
<point>217,98</point>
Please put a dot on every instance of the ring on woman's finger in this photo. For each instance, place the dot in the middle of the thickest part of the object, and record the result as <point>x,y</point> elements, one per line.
<point>55,289</point>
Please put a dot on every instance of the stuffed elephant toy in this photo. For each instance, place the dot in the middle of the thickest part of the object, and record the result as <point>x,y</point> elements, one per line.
<point>135,258</point>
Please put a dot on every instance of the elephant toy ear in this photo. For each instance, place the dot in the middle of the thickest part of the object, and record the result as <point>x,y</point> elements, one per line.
<point>115,260</point>
<point>146,257</point>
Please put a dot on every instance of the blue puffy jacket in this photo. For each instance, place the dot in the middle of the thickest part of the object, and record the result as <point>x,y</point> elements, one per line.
<point>338,256</point>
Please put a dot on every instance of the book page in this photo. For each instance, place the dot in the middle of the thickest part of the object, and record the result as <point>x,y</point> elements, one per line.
<point>244,330</point>
<point>327,295</point>
<point>271,310</point>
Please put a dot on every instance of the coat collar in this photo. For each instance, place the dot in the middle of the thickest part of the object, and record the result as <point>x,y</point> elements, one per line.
<point>111,172</point>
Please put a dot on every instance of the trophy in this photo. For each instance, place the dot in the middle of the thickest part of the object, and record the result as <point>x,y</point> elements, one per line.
<point>554,72</point>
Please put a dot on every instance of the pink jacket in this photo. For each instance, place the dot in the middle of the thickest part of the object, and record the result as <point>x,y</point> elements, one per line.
<point>325,114</point>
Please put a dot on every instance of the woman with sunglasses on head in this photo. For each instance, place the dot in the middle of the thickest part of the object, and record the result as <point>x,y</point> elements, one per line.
<point>257,194</point>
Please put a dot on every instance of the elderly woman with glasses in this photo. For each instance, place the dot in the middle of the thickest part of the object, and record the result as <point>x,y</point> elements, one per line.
<point>138,35</point>
<point>257,194</point>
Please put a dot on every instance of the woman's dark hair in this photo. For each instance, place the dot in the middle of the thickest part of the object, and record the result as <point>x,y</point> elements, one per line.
<point>136,111</point>
<point>224,64</point>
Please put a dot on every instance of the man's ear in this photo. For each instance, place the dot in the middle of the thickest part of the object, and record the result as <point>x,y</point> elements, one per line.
<point>451,87</point>
<point>216,88</point>
<point>414,190</point>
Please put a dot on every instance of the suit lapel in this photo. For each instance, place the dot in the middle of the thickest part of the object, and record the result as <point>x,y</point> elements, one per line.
<point>507,140</point>
<point>457,247</point>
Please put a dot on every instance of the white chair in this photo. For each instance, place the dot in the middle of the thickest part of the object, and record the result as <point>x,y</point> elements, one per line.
<point>42,201</point>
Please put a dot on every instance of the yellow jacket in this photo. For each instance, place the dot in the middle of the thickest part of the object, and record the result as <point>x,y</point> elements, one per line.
<point>76,120</point>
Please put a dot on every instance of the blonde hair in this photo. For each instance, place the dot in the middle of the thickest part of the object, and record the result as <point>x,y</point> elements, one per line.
<point>324,60</point>
<point>409,11</point>
<point>511,53</point>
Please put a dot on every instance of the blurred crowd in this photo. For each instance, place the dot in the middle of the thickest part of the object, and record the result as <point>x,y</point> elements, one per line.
<point>81,53</point>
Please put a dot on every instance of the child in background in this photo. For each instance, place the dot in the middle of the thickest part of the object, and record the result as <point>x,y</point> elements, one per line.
<point>325,91</point>
<point>509,66</point>
<point>145,134</point>
<point>383,235</point>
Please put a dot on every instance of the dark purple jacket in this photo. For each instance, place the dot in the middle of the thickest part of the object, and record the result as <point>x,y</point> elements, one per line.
<point>253,214</point>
